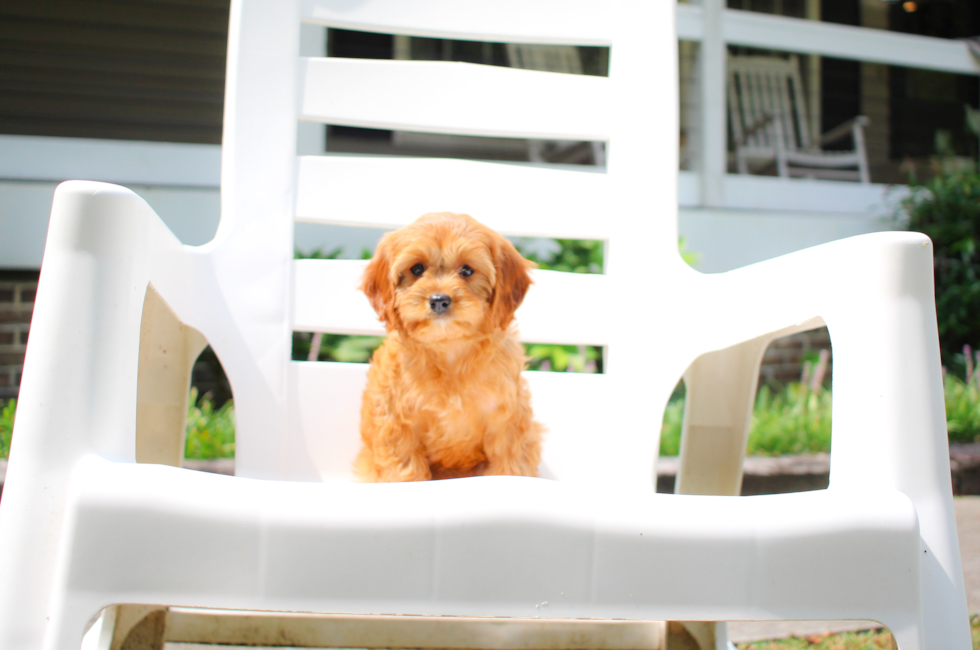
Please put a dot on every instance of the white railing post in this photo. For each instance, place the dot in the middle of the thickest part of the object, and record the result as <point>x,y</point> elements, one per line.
<point>713,151</point>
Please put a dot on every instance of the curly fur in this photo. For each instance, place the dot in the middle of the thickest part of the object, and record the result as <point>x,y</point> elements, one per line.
<point>445,397</point>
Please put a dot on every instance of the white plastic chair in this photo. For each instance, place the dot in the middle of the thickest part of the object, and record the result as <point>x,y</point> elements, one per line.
<point>767,110</point>
<point>86,522</point>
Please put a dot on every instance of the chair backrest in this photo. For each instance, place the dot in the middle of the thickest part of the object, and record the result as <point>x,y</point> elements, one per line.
<point>763,85</point>
<point>299,420</point>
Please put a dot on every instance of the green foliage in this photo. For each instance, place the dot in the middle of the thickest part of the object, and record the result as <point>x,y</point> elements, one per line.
<point>791,420</point>
<point>333,254</point>
<point>572,256</point>
<point>564,358</point>
<point>947,209</point>
<point>688,256</point>
<point>795,420</point>
<point>962,409</point>
<point>863,640</point>
<point>670,435</point>
<point>963,400</point>
<point>318,254</point>
<point>210,432</point>
<point>879,639</point>
<point>6,425</point>
<point>335,347</point>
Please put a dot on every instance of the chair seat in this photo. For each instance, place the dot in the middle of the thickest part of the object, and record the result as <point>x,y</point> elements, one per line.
<point>498,546</point>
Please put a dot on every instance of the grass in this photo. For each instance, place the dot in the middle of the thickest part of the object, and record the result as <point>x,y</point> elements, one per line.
<point>866,640</point>
<point>795,418</point>
<point>210,431</point>
<point>963,400</point>
<point>791,420</point>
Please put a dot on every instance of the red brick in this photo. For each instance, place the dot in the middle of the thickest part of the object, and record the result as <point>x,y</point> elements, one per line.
<point>12,359</point>
<point>15,316</point>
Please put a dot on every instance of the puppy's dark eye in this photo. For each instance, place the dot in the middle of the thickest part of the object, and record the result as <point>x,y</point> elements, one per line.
<point>466,271</point>
<point>418,270</point>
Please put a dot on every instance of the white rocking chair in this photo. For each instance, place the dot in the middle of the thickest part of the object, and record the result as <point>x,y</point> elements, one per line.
<point>768,116</point>
<point>96,512</point>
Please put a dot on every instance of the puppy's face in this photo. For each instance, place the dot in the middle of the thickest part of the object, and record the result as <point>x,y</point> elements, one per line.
<point>445,277</point>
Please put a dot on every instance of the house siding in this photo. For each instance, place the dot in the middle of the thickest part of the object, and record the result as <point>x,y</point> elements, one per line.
<point>111,69</point>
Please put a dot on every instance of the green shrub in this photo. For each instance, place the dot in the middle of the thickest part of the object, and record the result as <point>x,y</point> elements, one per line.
<point>210,432</point>
<point>790,420</point>
<point>571,256</point>
<point>794,419</point>
<point>670,435</point>
<point>6,426</point>
<point>563,358</point>
<point>963,400</point>
<point>335,347</point>
<point>947,209</point>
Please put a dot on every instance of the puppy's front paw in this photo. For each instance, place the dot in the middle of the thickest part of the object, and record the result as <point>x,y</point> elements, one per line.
<point>413,470</point>
<point>512,467</point>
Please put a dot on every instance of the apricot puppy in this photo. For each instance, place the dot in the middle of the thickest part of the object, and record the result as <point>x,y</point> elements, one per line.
<point>445,397</point>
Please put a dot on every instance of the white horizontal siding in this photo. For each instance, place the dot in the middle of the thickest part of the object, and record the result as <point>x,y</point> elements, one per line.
<point>40,158</point>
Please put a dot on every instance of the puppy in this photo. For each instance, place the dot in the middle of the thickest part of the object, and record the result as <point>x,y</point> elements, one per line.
<point>445,397</point>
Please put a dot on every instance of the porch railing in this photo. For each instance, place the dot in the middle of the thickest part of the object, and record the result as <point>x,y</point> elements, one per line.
<point>716,27</point>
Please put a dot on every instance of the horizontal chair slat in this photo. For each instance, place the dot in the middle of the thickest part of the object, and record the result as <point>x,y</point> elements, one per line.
<point>326,299</point>
<point>571,22</point>
<point>452,97</point>
<point>514,199</point>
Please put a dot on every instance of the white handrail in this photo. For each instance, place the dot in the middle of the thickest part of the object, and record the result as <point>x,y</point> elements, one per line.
<point>840,41</point>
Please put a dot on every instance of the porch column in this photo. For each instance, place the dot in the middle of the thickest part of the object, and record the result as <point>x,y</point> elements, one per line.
<point>713,154</point>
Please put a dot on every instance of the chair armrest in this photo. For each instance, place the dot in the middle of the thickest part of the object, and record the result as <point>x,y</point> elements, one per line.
<point>843,130</point>
<point>81,363</point>
<point>875,293</point>
<point>751,129</point>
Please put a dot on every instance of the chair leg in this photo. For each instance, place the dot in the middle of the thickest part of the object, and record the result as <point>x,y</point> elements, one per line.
<point>862,153</point>
<point>741,164</point>
<point>168,349</point>
<point>907,638</point>
<point>709,635</point>
<point>782,163</point>
<point>718,409</point>
<point>139,627</point>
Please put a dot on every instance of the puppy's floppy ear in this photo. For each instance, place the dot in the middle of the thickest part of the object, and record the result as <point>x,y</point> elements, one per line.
<point>512,283</point>
<point>377,283</point>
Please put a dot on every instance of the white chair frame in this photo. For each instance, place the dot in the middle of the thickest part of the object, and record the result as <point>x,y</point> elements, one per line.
<point>96,511</point>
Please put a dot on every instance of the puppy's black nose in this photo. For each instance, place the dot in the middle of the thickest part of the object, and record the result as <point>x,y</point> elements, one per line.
<point>439,302</point>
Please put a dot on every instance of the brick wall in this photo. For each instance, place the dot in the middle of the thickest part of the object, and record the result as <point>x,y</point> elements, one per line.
<point>17,291</point>
<point>783,360</point>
